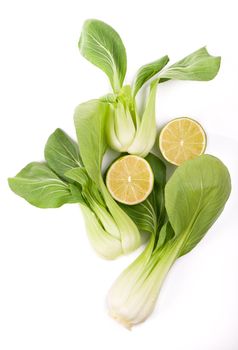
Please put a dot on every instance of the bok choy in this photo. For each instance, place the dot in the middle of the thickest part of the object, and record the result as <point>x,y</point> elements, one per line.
<point>63,178</point>
<point>91,116</point>
<point>127,130</point>
<point>195,196</point>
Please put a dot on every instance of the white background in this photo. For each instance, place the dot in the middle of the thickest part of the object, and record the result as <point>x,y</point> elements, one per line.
<point>52,285</point>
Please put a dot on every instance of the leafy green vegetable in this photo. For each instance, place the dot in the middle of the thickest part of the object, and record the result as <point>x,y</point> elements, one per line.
<point>195,196</point>
<point>62,154</point>
<point>126,131</point>
<point>102,230</point>
<point>199,65</point>
<point>101,45</point>
<point>65,180</point>
<point>40,186</point>
<point>91,116</point>
<point>147,71</point>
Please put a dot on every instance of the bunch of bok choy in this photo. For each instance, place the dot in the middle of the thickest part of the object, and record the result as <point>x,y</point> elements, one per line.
<point>176,215</point>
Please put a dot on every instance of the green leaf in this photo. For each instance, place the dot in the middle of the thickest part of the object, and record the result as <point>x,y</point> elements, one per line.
<point>41,187</point>
<point>143,214</point>
<point>101,45</point>
<point>148,71</point>
<point>89,119</point>
<point>195,196</point>
<point>199,65</point>
<point>62,153</point>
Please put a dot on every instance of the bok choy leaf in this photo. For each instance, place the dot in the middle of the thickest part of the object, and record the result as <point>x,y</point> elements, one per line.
<point>41,187</point>
<point>147,71</point>
<point>62,153</point>
<point>199,65</point>
<point>101,45</point>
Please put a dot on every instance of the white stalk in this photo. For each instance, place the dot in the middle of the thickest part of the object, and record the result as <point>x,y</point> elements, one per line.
<point>120,128</point>
<point>124,126</point>
<point>133,296</point>
<point>112,138</point>
<point>106,245</point>
<point>146,132</point>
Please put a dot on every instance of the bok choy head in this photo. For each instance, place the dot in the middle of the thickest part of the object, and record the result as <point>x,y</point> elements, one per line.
<point>126,129</point>
<point>91,116</point>
<point>195,196</point>
<point>63,179</point>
